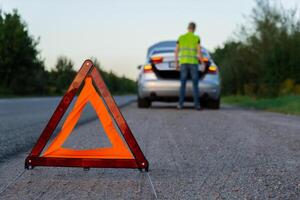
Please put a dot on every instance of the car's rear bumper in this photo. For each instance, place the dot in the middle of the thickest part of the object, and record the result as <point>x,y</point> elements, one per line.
<point>169,89</point>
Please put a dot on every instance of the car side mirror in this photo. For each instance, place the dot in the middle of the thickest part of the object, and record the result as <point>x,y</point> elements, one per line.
<point>139,67</point>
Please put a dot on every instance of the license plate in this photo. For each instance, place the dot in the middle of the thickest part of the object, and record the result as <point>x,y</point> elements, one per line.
<point>172,65</point>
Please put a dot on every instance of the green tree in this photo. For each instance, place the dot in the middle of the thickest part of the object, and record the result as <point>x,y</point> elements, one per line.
<point>116,84</point>
<point>62,75</point>
<point>21,68</point>
<point>265,55</point>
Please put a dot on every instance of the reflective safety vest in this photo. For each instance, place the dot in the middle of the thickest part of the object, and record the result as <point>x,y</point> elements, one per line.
<point>188,48</point>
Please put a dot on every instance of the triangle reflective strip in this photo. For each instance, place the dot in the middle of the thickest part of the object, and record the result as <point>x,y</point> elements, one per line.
<point>118,150</point>
<point>122,154</point>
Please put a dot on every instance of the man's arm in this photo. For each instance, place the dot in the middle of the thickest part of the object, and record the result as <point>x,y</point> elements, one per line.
<point>199,52</point>
<point>176,57</point>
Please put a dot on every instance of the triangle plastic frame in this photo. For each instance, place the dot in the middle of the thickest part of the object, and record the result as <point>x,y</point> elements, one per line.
<point>35,159</point>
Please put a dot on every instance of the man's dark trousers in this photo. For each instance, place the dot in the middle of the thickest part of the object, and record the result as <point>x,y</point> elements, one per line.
<point>185,69</point>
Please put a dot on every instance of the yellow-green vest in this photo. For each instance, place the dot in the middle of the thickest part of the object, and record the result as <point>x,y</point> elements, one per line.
<point>188,48</point>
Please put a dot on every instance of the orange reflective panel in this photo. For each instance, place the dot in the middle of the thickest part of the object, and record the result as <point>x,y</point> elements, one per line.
<point>118,150</point>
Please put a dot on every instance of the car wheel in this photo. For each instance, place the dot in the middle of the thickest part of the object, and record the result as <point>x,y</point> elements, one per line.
<point>144,103</point>
<point>214,104</point>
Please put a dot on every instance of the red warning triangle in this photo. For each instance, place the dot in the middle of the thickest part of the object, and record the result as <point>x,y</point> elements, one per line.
<point>123,153</point>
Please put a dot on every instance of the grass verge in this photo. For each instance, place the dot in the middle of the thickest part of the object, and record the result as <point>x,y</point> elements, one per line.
<point>284,104</point>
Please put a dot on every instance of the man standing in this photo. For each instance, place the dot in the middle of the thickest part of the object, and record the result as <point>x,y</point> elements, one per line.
<point>189,50</point>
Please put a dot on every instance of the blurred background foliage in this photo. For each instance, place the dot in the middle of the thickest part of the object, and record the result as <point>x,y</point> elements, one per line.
<point>263,60</point>
<point>23,72</point>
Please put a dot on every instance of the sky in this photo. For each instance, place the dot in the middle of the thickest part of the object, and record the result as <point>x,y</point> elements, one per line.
<point>118,32</point>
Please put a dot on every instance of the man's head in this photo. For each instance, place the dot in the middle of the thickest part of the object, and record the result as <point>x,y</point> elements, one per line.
<point>192,27</point>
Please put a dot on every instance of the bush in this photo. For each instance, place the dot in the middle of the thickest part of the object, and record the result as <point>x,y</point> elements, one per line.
<point>116,84</point>
<point>249,89</point>
<point>287,87</point>
<point>296,89</point>
<point>5,91</point>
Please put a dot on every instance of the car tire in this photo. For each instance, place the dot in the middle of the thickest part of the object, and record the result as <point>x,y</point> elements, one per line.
<point>144,103</point>
<point>214,104</point>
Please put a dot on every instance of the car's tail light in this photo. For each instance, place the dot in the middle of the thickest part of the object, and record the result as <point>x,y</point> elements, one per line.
<point>212,69</point>
<point>204,59</point>
<point>157,60</point>
<point>148,68</point>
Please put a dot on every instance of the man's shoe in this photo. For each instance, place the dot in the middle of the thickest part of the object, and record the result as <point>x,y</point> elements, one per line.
<point>199,108</point>
<point>179,107</point>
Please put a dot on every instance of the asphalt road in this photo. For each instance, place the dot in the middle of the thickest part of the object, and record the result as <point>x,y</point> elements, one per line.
<point>227,154</point>
<point>22,120</point>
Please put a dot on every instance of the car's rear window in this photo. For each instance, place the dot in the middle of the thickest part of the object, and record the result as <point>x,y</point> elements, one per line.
<point>205,54</point>
<point>158,51</point>
<point>162,51</point>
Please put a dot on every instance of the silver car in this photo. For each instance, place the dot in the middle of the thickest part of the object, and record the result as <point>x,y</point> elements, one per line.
<point>159,80</point>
